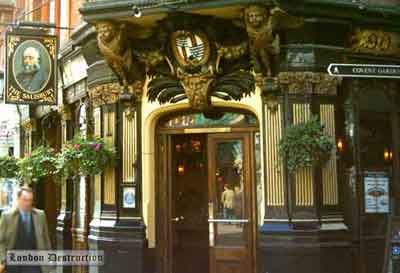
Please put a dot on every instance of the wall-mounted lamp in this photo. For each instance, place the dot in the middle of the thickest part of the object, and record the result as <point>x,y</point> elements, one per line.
<point>340,145</point>
<point>181,169</point>
<point>136,12</point>
<point>196,145</point>
<point>387,154</point>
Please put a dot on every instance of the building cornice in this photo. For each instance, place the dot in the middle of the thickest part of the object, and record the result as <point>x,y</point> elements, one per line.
<point>350,11</point>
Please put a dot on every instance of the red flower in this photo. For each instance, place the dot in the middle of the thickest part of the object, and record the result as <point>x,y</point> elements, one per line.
<point>77,146</point>
<point>97,147</point>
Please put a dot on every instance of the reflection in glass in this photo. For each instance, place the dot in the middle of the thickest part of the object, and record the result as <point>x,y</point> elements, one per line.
<point>230,188</point>
<point>83,120</point>
<point>259,181</point>
<point>8,193</point>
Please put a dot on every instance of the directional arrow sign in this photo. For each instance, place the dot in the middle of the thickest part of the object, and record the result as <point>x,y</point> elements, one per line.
<point>364,71</point>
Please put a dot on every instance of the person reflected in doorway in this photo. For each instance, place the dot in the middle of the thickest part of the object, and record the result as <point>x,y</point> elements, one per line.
<point>238,202</point>
<point>227,201</point>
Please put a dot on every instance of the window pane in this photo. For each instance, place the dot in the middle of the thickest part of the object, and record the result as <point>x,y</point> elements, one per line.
<point>230,190</point>
<point>199,120</point>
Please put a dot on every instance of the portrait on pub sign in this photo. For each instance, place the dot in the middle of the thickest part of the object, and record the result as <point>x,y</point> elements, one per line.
<point>31,66</point>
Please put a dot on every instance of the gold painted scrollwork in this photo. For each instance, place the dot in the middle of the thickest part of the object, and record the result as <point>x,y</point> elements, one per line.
<point>29,125</point>
<point>51,44</point>
<point>231,52</point>
<point>105,94</point>
<point>375,42</point>
<point>12,43</point>
<point>308,83</point>
<point>197,90</point>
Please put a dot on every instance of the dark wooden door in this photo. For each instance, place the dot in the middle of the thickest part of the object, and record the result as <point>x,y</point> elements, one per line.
<point>230,210</point>
<point>189,194</point>
<point>200,234</point>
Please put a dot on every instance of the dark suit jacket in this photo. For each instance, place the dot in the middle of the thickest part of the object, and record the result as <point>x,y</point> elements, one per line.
<point>9,228</point>
<point>32,81</point>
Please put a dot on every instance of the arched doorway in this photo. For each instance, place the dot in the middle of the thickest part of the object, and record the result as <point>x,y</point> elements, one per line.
<point>206,192</point>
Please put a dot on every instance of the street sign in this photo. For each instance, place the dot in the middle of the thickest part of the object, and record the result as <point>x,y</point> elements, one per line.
<point>364,71</point>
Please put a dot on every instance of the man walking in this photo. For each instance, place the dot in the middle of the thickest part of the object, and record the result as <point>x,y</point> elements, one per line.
<point>227,202</point>
<point>23,228</point>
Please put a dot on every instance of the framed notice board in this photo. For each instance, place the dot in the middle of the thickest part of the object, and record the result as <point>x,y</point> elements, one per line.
<point>376,192</point>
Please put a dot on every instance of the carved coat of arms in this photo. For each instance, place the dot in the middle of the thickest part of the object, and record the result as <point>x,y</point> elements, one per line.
<point>196,57</point>
<point>202,63</point>
<point>190,48</point>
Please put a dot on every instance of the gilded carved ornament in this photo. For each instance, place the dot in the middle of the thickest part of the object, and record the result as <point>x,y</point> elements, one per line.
<point>151,58</point>
<point>197,91</point>
<point>130,112</point>
<point>375,42</point>
<point>232,52</point>
<point>201,63</point>
<point>308,83</point>
<point>105,94</point>
<point>29,125</point>
<point>190,59</point>
<point>65,111</point>
<point>117,49</point>
<point>301,83</point>
<point>190,48</point>
<point>262,24</point>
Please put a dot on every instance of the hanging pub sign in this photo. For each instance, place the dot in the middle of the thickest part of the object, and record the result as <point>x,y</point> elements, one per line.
<point>376,192</point>
<point>31,69</point>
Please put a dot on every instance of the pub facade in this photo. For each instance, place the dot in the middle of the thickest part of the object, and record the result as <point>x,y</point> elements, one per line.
<point>195,96</point>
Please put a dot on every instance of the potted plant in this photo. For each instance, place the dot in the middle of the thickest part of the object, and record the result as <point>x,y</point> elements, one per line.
<point>305,145</point>
<point>42,162</point>
<point>86,156</point>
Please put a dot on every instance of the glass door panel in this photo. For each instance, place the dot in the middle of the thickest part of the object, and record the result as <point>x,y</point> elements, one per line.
<point>229,181</point>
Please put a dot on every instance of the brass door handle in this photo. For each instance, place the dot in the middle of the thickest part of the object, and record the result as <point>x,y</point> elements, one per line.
<point>177,219</point>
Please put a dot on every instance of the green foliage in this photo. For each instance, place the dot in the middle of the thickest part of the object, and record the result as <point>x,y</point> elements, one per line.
<point>305,144</point>
<point>8,167</point>
<point>82,156</point>
<point>78,157</point>
<point>42,162</point>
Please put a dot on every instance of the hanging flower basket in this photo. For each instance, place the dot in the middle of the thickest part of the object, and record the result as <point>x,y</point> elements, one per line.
<point>305,145</point>
<point>8,167</point>
<point>83,157</point>
<point>42,162</point>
